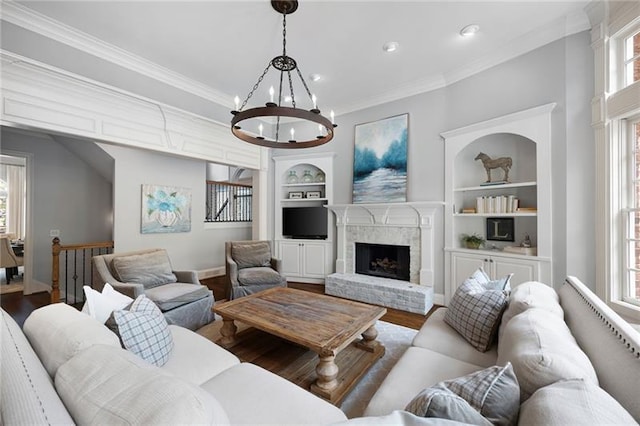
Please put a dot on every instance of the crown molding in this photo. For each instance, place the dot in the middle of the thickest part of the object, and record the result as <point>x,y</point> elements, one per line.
<point>31,20</point>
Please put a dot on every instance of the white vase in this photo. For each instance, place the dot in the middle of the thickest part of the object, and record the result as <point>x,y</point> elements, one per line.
<point>166,218</point>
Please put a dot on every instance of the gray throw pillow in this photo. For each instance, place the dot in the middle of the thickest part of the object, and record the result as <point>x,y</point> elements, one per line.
<point>149,269</point>
<point>489,396</point>
<point>143,330</point>
<point>475,313</point>
<point>251,254</point>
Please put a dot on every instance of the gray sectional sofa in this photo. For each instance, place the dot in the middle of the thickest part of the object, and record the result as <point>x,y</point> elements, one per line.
<point>64,367</point>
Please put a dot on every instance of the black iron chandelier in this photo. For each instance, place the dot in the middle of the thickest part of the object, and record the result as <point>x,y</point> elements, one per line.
<point>275,111</point>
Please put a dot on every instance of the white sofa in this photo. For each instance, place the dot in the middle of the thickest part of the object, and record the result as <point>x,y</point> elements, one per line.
<point>71,369</point>
<point>610,361</point>
<point>68,368</point>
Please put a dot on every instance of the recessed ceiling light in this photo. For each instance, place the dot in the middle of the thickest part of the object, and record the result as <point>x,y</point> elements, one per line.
<point>390,46</point>
<point>315,77</point>
<point>469,30</point>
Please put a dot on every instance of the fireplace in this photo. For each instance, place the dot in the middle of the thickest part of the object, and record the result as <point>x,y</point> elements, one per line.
<point>383,260</point>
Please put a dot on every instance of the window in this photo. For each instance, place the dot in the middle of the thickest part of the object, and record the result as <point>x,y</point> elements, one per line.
<point>228,202</point>
<point>3,207</point>
<point>631,59</point>
<point>630,291</point>
<point>616,126</point>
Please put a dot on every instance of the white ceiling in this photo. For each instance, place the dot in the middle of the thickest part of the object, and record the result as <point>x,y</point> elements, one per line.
<point>225,45</point>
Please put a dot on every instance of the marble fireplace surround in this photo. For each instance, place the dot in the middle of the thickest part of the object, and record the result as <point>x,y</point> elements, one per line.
<point>408,224</point>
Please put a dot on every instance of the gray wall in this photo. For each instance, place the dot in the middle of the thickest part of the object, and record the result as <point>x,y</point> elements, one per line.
<point>199,249</point>
<point>559,72</point>
<point>68,195</point>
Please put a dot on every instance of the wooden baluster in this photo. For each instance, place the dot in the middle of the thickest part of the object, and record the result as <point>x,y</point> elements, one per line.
<point>55,270</point>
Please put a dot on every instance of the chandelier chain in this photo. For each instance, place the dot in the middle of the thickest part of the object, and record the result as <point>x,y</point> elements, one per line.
<point>304,83</point>
<point>255,87</point>
<point>293,96</point>
<point>284,35</point>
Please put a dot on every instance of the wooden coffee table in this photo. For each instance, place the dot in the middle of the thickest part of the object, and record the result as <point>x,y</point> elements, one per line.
<point>324,324</point>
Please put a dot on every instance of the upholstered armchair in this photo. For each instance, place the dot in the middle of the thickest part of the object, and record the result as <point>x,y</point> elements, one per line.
<point>178,294</point>
<point>8,259</point>
<point>251,268</point>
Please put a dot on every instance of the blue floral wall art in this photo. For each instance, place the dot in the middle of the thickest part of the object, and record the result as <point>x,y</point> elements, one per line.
<point>380,161</point>
<point>165,209</point>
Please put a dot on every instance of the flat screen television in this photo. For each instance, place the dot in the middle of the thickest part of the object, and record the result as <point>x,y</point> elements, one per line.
<point>304,222</point>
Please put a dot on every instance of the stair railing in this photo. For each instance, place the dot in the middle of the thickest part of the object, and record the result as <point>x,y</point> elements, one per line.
<point>77,270</point>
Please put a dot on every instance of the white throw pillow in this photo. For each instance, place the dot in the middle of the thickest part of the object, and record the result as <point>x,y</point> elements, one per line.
<point>100,305</point>
<point>483,278</point>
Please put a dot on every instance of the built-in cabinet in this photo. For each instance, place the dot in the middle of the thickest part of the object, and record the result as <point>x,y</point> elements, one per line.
<point>464,265</point>
<point>306,259</point>
<point>304,181</point>
<point>519,206</point>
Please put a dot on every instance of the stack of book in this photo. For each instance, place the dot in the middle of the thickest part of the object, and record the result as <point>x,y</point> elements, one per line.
<point>497,204</point>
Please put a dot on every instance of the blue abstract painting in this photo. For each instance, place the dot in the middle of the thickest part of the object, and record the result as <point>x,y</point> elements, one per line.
<point>380,161</point>
<point>165,209</point>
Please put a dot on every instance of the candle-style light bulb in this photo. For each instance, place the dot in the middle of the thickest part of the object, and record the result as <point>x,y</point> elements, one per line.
<point>237,102</point>
<point>271,93</point>
<point>260,128</point>
<point>293,132</point>
<point>333,117</point>
<point>315,101</point>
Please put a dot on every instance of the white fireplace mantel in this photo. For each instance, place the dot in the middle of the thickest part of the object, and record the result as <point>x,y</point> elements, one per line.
<point>418,215</point>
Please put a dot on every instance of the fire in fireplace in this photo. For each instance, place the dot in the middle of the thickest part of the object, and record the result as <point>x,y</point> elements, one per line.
<point>383,260</point>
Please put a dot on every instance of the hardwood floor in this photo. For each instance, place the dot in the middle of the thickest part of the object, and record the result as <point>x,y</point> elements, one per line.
<point>19,306</point>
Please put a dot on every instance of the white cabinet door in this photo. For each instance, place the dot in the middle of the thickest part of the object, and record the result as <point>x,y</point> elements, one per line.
<point>314,260</point>
<point>463,265</point>
<point>522,270</point>
<point>291,256</point>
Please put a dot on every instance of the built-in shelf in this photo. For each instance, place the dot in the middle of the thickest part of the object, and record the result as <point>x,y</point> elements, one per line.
<point>515,214</point>
<point>496,187</point>
<point>525,137</point>
<point>304,260</point>
<point>290,185</point>
<point>297,200</point>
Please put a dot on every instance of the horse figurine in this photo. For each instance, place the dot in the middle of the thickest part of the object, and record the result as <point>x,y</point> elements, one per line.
<point>503,163</point>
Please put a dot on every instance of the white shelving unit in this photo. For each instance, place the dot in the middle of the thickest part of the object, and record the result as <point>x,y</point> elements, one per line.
<point>304,260</point>
<point>524,136</point>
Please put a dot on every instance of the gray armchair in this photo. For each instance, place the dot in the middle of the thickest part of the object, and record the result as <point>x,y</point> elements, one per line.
<point>178,294</point>
<point>251,268</point>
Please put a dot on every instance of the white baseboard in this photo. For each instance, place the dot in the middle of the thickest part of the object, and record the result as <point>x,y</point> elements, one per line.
<point>211,273</point>
<point>36,286</point>
<point>438,299</point>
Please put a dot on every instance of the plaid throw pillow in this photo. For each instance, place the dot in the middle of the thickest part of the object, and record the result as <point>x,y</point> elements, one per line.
<point>144,331</point>
<point>475,312</point>
<point>489,396</point>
